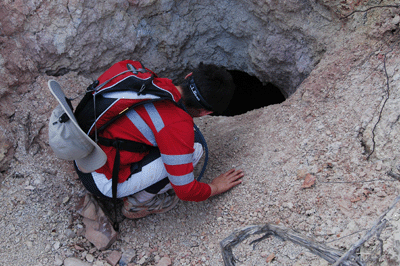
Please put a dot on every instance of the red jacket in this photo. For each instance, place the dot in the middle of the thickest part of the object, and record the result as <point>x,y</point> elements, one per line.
<point>161,124</point>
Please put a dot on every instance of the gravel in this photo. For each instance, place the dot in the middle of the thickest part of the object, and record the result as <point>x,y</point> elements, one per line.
<point>320,130</point>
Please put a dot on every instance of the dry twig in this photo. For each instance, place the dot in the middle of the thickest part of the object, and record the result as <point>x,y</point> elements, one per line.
<point>394,175</point>
<point>329,254</point>
<point>368,9</point>
<point>376,229</point>
<point>383,106</point>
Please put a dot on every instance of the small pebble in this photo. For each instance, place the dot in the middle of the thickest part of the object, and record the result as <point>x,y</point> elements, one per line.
<point>56,245</point>
<point>89,258</point>
<point>165,261</point>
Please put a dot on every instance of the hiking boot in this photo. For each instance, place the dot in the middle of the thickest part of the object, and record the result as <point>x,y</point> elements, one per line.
<point>133,209</point>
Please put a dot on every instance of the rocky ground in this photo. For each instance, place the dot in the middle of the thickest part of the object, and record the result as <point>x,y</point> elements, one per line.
<point>340,127</point>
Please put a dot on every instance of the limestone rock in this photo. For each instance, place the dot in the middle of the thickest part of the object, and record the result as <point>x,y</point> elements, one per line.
<point>165,261</point>
<point>75,262</point>
<point>127,257</point>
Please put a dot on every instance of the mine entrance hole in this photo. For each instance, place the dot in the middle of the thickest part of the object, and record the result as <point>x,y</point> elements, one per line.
<point>251,93</point>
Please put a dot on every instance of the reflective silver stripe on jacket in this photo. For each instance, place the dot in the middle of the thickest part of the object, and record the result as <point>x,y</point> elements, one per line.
<point>154,116</point>
<point>181,159</point>
<point>141,126</point>
<point>177,159</point>
<point>182,179</point>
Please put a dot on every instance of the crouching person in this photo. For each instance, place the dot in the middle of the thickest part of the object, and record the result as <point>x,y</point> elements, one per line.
<point>153,181</point>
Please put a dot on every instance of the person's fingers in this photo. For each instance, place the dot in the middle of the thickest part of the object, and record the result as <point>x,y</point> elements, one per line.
<point>231,171</point>
<point>236,174</point>
<point>234,183</point>
<point>236,177</point>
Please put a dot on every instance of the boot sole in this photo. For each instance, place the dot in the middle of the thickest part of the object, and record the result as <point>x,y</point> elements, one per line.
<point>143,213</point>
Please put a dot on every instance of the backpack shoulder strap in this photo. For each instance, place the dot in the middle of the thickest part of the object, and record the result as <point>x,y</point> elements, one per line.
<point>123,144</point>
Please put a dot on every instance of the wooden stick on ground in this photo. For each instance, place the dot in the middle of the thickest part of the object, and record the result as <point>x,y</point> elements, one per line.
<point>327,253</point>
<point>331,255</point>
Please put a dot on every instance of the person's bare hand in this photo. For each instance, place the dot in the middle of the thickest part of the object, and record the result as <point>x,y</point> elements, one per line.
<point>226,181</point>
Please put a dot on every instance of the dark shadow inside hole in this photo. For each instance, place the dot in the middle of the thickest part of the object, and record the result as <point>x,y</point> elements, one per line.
<point>250,94</point>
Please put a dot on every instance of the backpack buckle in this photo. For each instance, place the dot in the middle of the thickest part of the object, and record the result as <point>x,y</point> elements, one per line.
<point>92,87</point>
<point>142,89</point>
<point>132,68</point>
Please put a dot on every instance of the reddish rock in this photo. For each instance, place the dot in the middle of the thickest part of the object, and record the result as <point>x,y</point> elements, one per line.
<point>309,181</point>
<point>114,257</point>
<point>99,230</point>
<point>100,234</point>
<point>270,257</point>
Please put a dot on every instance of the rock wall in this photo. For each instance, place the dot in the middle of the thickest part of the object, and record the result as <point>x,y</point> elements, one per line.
<point>279,42</point>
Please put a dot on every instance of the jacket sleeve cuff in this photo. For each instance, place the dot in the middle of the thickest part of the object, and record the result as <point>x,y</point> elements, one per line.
<point>194,191</point>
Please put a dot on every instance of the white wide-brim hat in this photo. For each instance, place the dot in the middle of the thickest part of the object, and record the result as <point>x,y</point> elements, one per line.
<point>68,140</point>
